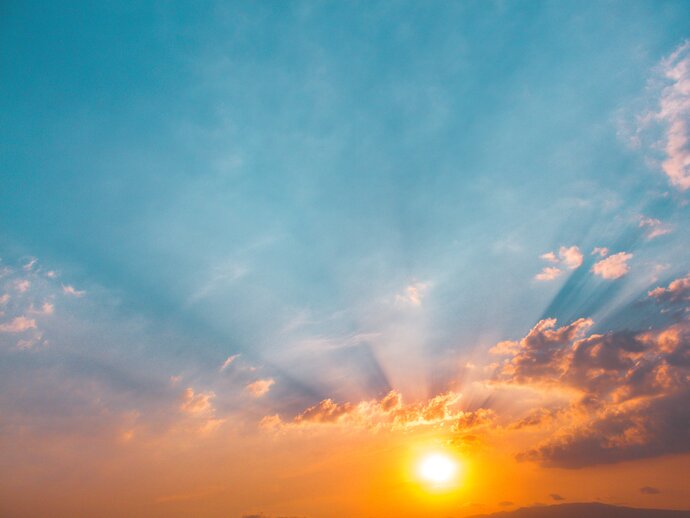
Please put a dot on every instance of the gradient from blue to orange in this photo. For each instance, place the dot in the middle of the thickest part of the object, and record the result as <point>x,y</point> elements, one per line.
<point>223,225</point>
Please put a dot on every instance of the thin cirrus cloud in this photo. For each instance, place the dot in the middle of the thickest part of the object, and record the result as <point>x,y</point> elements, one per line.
<point>674,114</point>
<point>653,227</point>
<point>229,360</point>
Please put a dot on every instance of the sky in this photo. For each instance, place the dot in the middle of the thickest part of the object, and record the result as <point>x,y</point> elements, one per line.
<point>259,258</point>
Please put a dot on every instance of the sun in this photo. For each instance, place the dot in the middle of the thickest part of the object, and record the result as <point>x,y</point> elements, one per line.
<point>437,468</point>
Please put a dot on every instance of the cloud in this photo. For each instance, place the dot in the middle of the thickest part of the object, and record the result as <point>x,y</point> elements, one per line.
<point>260,388</point>
<point>613,267</point>
<point>649,490</point>
<point>654,227</point>
<point>549,273</point>
<point>628,391</point>
<point>197,402</point>
<point>18,325</point>
<point>389,412</point>
<point>556,496</point>
<point>571,257</point>
<point>674,114</point>
<point>568,258</point>
<point>228,362</point>
<point>413,294</point>
<point>70,290</point>
<point>677,291</point>
<point>22,285</point>
<point>4,299</point>
<point>30,264</point>
<point>47,308</point>
<point>601,251</point>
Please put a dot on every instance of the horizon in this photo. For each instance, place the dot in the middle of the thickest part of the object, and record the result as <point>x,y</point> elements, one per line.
<point>324,259</point>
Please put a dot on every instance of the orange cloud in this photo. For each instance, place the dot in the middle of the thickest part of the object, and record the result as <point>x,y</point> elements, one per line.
<point>677,291</point>
<point>629,391</point>
<point>260,388</point>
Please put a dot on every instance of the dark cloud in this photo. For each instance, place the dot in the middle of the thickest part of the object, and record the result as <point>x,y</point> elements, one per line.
<point>634,391</point>
<point>556,496</point>
<point>677,291</point>
<point>649,490</point>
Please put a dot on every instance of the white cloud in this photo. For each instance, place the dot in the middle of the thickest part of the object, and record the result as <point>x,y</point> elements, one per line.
<point>569,257</point>
<point>613,267</point>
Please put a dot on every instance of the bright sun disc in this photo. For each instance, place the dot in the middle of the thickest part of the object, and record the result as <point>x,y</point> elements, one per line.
<point>437,468</point>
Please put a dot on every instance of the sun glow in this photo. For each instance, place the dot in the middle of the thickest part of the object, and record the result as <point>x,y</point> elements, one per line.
<point>437,469</point>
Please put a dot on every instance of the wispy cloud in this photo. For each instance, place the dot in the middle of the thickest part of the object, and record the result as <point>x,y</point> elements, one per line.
<point>228,362</point>
<point>674,113</point>
<point>654,227</point>
<point>68,289</point>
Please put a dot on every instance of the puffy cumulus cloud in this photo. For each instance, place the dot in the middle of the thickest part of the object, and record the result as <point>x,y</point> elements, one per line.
<point>199,407</point>
<point>260,387</point>
<point>548,273</point>
<point>18,325</point>
<point>413,294</point>
<point>389,412</point>
<point>613,267</point>
<point>629,390</point>
<point>197,402</point>
<point>571,257</point>
<point>677,291</point>
<point>674,114</point>
<point>654,227</point>
<point>601,251</point>
<point>27,301</point>
<point>568,258</point>
<point>542,353</point>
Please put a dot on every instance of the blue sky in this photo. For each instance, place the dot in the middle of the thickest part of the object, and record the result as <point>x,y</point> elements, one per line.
<point>353,197</point>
